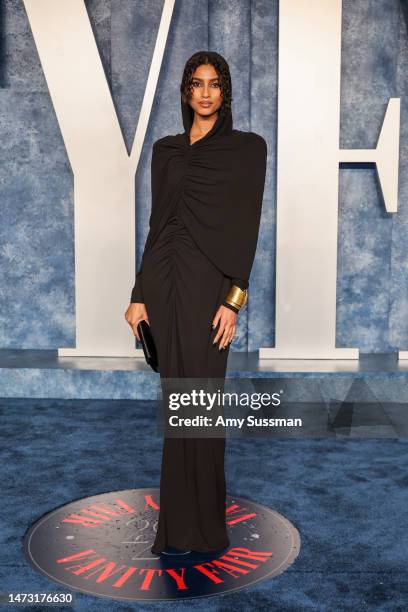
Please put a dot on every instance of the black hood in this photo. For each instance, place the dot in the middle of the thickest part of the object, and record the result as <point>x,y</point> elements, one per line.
<point>222,126</point>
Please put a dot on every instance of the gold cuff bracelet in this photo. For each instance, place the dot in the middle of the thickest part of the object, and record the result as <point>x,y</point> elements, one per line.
<point>237,297</point>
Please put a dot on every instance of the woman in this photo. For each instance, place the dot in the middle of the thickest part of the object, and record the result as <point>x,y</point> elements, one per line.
<point>207,188</point>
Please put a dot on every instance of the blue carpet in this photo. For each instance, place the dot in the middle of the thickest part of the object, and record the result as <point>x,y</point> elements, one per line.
<point>348,498</point>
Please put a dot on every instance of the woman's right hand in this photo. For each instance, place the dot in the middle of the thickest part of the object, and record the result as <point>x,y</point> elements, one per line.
<point>136,312</point>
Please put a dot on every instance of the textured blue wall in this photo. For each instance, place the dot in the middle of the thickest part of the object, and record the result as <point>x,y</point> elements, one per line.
<point>37,308</point>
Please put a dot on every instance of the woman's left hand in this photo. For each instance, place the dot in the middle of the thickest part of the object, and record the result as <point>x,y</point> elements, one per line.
<point>227,320</point>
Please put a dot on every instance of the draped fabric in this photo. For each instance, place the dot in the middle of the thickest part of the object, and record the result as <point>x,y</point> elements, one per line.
<point>204,222</point>
<point>216,185</point>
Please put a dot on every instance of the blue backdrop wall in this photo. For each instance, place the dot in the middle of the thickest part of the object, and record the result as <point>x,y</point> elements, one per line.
<point>37,307</point>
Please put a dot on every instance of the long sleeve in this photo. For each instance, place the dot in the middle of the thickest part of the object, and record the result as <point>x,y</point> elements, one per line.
<point>137,291</point>
<point>239,282</point>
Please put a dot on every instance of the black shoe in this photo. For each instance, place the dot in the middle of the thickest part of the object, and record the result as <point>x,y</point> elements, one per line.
<point>170,550</point>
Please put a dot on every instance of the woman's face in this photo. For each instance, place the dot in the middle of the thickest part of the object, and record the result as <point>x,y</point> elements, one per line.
<point>206,97</point>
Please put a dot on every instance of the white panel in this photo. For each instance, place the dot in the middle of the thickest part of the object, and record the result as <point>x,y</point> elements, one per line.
<point>385,156</point>
<point>308,178</point>
<point>103,172</point>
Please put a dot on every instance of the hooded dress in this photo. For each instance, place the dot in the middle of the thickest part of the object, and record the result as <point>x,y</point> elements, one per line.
<point>203,232</point>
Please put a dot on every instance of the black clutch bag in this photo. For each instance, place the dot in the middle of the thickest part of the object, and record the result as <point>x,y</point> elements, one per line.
<point>148,345</point>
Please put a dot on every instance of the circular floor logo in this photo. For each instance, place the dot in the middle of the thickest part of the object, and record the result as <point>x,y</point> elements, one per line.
<point>101,545</point>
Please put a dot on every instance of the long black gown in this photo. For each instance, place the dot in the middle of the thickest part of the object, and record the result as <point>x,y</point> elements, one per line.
<point>206,206</point>
<point>182,291</point>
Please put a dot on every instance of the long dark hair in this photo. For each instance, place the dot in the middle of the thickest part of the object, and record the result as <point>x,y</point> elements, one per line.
<point>222,69</point>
